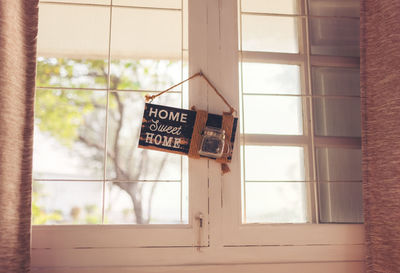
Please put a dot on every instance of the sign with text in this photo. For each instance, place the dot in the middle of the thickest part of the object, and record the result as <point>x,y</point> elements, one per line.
<point>170,129</point>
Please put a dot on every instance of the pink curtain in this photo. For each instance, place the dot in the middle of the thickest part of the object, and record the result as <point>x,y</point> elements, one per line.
<point>380,89</point>
<point>18,31</point>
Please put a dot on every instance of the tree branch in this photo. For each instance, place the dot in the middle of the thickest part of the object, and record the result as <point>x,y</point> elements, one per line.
<point>153,188</point>
<point>118,131</point>
<point>101,148</point>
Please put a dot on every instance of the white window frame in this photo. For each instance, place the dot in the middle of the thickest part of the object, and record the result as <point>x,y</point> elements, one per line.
<point>154,235</point>
<point>225,241</point>
<point>237,233</point>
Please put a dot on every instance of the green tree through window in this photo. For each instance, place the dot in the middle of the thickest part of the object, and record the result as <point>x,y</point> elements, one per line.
<point>75,116</point>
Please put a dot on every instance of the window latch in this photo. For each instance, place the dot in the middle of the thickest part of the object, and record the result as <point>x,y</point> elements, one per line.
<point>200,218</point>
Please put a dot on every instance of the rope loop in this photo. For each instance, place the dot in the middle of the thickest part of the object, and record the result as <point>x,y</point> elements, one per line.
<point>150,98</point>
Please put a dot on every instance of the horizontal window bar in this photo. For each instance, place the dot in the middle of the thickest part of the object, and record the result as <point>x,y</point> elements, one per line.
<point>345,142</point>
<point>144,91</point>
<point>297,15</point>
<point>298,59</point>
<point>271,57</point>
<point>273,140</point>
<point>105,5</point>
<point>271,14</point>
<point>303,181</point>
<point>105,227</point>
<point>301,140</point>
<point>335,61</point>
<point>103,89</point>
<point>106,180</point>
<point>301,95</point>
<point>70,88</point>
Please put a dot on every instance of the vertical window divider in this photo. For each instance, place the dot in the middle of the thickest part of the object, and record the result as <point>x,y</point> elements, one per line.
<point>106,121</point>
<point>243,145</point>
<point>310,120</point>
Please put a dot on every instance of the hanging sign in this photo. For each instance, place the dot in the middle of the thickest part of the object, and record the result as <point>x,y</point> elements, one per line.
<point>170,129</point>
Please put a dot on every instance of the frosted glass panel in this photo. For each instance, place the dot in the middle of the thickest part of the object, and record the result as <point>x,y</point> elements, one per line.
<point>338,164</point>
<point>269,34</point>
<point>350,8</point>
<point>337,117</point>
<point>101,2</point>
<point>274,163</point>
<point>341,202</point>
<point>72,53</point>
<point>336,81</point>
<point>281,6</point>
<point>173,4</point>
<point>271,202</point>
<point>55,202</point>
<point>86,36</point>
<point>150,34</point>
<point>335,37</point>
<point>271,78</point>
<point>152,61</point>
<point>144,203</point>
<point>341,199</point>
<point>273,115</point>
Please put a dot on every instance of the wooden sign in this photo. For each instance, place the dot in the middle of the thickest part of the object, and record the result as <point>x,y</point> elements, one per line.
<point>170,129</point>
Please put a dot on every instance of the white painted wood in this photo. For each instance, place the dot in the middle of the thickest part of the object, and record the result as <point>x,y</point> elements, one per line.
<point>214,70</point>
<point>86,236</point>
<point>295,234</point>
<point>236,233</point>
<point>198,96</point>
<point>338,142</point>
<point>300,140</point>
<point>274,140</point>
<point>268,57</point>
<point>113,236</point>
<point>228,246</point>
<point>342,267</point>
<point>108,257</point>
<point>335,61</point>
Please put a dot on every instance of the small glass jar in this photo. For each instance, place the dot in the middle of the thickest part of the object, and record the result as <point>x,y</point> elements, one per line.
<point>212,144</point>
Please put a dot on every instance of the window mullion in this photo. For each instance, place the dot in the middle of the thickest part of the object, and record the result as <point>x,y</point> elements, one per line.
<point>311,157</point>
<point>272,57</point>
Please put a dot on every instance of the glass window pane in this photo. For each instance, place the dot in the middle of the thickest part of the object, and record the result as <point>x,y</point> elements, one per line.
<point>271,78</point>
<point>350,8</point>
<point>269,34</point>
<point>281,6</point>
<point>152,75</point>
<point>133,163</point>
<point>144,203</point>
<point>55,202</point>
<point>146,49</point>
<point>172,4</point>
<point>337,117</point>
<point>146,34</point>
<point>72,53</point>
<point>273,115</point>
<point>341,202</point>
<point>338,164</point>
<point>276,202</point>
<point>101,2</point>
<point>67,72</point>
<point>185,27</point>
<point>335,37</point>
<point>336,81</point>
<point>274,163</point>
<point>69,134</point>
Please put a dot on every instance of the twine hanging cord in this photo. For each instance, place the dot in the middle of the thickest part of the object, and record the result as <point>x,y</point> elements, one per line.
<point>199,74</point>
